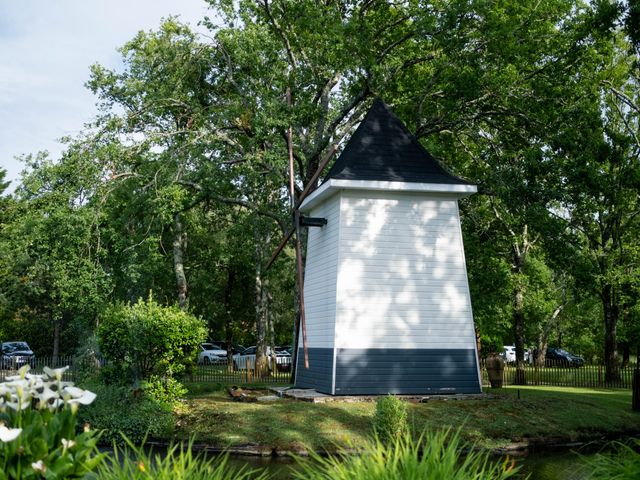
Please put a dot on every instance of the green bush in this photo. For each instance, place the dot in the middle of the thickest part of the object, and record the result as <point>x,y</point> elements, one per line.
<point>86,362</point>
<point>623,463</point>
<point>148,339</point>
<point>433,456</point>
<point>390,418</point>
<point>121,410</point>
<point>137,462</point>
<point>165,391</point>
<point>38,436</point>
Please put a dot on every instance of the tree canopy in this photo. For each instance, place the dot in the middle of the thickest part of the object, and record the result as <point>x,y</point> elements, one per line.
<point>180,184</point>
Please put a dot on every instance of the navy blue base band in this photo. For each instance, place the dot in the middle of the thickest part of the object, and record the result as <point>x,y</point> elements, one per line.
<point>397,371</point>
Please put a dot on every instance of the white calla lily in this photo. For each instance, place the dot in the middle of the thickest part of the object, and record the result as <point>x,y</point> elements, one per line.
<point>66,444</point>
<point>22,372</point>
<point>39,467</point>
<point>46,397</point>
<point>87,398</point>
<point>55,373</point>
<point>9,434</point>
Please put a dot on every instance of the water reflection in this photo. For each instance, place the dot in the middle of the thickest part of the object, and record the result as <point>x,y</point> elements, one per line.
<point>547,466</point>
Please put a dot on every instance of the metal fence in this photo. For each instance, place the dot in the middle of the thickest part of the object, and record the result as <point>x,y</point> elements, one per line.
<point>210,373</point>
<point>38,363</point>
<point>232,375</point>
<point>556,374</point>
<point>559,374</point>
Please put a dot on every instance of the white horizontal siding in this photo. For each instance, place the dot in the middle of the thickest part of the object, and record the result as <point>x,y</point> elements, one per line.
<point>401,279</point>
<point>321,272</point>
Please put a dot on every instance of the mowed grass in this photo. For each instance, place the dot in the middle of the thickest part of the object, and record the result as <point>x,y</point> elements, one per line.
<point>501,418</point>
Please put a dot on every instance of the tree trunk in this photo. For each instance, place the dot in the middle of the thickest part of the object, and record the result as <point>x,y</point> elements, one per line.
<point>262,310</point>
<point>626,354</point>
<point>518,331</point>
<point>228,328</point>
<point>543,338</point>
<point>56,339</point>
<point>610,309</point>
<point>518,319</point>
<point>271,333</point>
<point>179,246</point>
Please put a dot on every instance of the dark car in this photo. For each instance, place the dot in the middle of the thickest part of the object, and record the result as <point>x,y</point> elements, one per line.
<point>560,357</point>
<point>14,355</point>
<point>235,347</point>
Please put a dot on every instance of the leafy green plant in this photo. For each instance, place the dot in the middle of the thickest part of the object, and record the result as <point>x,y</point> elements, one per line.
<point>148,339</point>
<point>622,464</point>
<point>87,361</point>
<point>165,391</point>
<point>432,456</point>
<point>390,418</point>
<point>133,462</point>
<point>38,428</point>
<point>141,418</point>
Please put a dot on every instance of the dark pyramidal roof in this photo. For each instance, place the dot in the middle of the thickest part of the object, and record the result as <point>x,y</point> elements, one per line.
<point>383,149</point>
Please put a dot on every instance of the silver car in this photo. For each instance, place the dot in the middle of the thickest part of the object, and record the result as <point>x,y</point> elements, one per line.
<point>211,353</point>
<point>247,359</point>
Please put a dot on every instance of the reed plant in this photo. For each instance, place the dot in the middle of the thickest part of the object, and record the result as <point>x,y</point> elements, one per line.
<point>438,455</point>
<point>622,463</point>
<point>131,462</point>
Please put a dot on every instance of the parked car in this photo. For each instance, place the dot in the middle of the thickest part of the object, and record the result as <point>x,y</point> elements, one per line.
<point>509,354</point>
<point>247,359</point>
<point>211,353</point>
<point>560,357</point>
<point>235,347</point>
<point>14,355</point>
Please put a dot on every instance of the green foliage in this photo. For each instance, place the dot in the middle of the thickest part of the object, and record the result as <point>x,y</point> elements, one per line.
<point>87,361</point>
<point>120,410</point>
<point>433,455</point>
<point>622,464</point>
<point>135,461</point>
<point>148,339</point>
<point>390,418</point>
<point>165,391</point>
<point>41,411</point>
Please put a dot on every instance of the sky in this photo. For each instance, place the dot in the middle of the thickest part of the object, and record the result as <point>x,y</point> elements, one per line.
<point>46,48</point>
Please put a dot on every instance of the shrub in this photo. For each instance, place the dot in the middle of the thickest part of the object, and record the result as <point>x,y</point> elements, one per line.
<point>623,463</point>
<point>120,410</point>
<point>87,361</point>
<point>148,339</point>
<point>434,456</point>
<point>165,391</point>
<point>38,428</point>
<point>134,462</point>
<point>390,418</point>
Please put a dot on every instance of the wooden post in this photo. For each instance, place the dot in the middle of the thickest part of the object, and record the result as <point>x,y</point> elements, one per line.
<point>635,385</point>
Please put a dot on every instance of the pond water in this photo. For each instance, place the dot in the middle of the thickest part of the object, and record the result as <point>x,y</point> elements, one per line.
<point>547,466</point>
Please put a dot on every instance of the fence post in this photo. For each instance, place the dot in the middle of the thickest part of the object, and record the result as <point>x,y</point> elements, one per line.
<point>635,387</point>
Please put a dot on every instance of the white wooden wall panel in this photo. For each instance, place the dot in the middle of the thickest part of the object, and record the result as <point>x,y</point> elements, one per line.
<point>401,278</point>
<point>321,272</point>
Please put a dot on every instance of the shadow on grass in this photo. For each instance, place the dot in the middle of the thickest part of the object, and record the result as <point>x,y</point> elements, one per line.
<point>283,424</point>
<point>506,415</point>
<point>516,414</point>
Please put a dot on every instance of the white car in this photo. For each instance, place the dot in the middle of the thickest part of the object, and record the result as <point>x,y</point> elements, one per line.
<point>509,354</point>
<point>211,353</point>
<point>247,359</point>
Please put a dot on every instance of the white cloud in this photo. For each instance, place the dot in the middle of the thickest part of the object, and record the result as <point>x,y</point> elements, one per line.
<point>46,49</point>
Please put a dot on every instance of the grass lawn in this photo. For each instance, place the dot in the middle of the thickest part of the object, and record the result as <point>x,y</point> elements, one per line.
<point>557,412</point>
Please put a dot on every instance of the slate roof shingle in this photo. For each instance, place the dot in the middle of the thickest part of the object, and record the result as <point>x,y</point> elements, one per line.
<point>382,149</point>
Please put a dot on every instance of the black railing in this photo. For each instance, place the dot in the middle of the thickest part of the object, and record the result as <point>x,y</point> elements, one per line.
<point>9,367</point>
<point>561,374</point>
<point>552,374</point>
<point>242,373</point>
